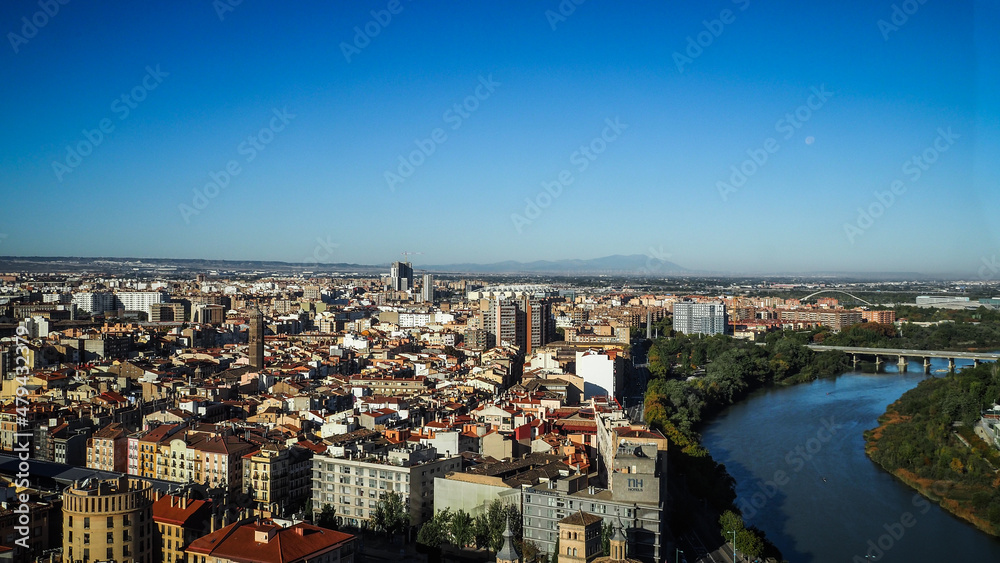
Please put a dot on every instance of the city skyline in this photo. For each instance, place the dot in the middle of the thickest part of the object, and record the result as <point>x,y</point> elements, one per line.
<point>736,137</point>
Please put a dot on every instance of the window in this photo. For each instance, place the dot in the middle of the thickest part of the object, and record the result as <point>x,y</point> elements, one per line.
<point>111,537</point>
<point>86,539</point>
<point>111,553</point>
<point>86,522</point>
<point>111,521</point>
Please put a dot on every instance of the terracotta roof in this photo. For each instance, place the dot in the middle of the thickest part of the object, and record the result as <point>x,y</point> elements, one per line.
<point>168,510</point>
<point>239,542</point>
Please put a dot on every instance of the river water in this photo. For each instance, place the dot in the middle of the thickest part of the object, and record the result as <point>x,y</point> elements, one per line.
<point>802,476</point>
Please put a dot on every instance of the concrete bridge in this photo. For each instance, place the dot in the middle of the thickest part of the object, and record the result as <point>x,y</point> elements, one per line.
<point>902,354</point>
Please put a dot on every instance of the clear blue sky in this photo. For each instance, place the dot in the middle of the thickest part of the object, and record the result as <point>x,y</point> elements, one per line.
<point>323,174</point>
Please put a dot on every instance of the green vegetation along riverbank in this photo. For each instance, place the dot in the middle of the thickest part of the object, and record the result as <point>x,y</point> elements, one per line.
<point>927,440</point>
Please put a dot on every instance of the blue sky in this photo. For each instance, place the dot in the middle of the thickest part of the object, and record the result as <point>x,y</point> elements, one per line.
<point>216,82</point>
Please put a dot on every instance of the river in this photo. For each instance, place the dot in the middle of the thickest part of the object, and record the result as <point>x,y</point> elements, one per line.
<point>802,476</point>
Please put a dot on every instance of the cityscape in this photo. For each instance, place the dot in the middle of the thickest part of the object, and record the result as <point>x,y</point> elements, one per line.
<point>550,282</point>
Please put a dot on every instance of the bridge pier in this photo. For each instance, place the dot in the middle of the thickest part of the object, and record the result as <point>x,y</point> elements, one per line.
<point>902,364</point>
<point>854,360</point>
<point>975,361</point>
<point>927,365</point>
<point>951,365</point>
<point>878,362</point>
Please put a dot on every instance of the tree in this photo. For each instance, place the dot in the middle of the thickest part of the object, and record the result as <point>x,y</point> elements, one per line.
<point>750,543</point>
<point>327,517</point>
<point>462,528</point>
<point>481,531</point>
<point>391,515</point>
<point>730,522</point>
<point>436,531</point>
<point>607,530</point>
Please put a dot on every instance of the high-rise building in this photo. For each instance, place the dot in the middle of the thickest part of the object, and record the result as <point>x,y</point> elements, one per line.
<point>526,322</point>
<point>256,338</point>
<point>700,318</point>
<point>539,325</point>
<point>427,290</point>
<point>108,520</point>
<point>401,276</point>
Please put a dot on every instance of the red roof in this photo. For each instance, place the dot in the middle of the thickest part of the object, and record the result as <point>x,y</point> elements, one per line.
<point>169,510</point>
<point>239,542</point>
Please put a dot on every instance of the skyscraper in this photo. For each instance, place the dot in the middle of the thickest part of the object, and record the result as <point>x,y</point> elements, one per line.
<point>256,338</point>
<point>427,291</point>
<point>401,276</point>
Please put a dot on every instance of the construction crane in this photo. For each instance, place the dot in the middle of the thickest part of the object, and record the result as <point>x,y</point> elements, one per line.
<point>406,254</point>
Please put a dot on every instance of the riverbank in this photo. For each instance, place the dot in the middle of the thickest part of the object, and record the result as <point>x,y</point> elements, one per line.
<point>925,440</point>
<point>802,476</point>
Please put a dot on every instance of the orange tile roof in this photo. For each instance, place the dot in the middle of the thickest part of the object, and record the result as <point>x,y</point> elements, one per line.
<point>237,542</point>
<point>168,510</point>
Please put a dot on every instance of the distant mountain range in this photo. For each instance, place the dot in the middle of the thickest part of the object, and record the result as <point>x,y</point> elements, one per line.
<point>618,264</point>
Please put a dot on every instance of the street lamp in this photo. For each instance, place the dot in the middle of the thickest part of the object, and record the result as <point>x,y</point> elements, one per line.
<point>734,544</point>
<point>677,554</point>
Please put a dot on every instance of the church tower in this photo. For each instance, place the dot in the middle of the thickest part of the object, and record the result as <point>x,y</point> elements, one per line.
<point>508,553</point>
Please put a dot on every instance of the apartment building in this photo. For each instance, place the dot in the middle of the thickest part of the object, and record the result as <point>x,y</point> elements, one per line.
<point>354,486</point>
<point>109,520</point>
<point>700,318</point>
<point>107,449</point>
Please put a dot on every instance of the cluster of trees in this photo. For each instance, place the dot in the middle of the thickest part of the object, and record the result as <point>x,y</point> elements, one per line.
<point>390,516</point>
<point>918,434</point>
<point>730,369</point>
<point>484,531</point>
<point>749,541</point>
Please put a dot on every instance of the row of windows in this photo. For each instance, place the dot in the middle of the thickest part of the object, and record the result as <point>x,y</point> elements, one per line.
<point>126,520</point>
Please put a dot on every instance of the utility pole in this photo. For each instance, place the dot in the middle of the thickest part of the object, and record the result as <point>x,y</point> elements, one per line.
<point>734,545</point>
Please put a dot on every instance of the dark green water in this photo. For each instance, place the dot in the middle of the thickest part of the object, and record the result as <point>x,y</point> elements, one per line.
<point>802,476</point>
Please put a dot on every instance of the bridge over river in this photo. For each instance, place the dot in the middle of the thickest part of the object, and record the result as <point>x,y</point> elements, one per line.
<point>901,355</point>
